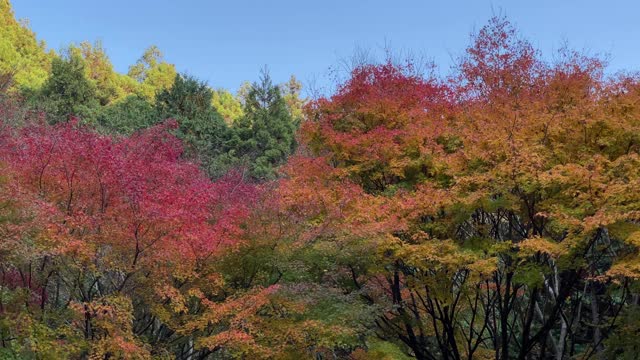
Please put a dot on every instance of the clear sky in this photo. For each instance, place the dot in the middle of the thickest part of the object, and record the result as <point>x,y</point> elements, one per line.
<point>227,42</point>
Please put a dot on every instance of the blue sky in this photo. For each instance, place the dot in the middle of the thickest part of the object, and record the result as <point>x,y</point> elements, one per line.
<point>226,43</point>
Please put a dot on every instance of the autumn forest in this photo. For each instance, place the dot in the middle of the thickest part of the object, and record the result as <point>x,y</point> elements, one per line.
<point>489,213</point>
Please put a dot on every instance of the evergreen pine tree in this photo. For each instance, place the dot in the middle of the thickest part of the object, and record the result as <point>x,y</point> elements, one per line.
<point>265,135</point>
<point>202,128</point>
<point>68,92</point>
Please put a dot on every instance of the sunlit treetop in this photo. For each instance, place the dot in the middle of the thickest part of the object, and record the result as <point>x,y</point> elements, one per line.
<point>22,56</point>
<point>152,72</point>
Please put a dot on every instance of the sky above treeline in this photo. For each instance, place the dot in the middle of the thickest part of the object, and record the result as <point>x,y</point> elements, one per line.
<point>226,43</point>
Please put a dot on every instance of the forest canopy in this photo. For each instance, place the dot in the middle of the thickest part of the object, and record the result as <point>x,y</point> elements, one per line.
<point>490,213</point>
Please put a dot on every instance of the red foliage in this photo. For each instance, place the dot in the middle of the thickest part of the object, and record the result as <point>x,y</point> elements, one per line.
<point>135,199</point>
<point>379,125</point>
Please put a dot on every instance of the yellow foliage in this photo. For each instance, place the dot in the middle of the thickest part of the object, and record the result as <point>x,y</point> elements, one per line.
<point>534,245</point>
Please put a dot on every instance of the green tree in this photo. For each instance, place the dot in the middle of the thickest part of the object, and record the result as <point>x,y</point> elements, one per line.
<point>153,73</point>
<point>291,93</point>
<point>127,116</point>
<point>227,105</point>
<point>110,86</point>
<point>67,91</point>
<point>201,126</point>
<point>21,55</point>
<point>265,135</point>
<point>243,92</point>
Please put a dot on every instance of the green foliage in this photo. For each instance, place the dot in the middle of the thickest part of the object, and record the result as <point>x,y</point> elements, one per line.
<point>201,127</point>
<point>153,73</point>
<point>67,91</point>
<point>99,70</point>
<point>384,350</point>
<point>28,338</point>
<point>188,98</point>
<point>265,135</point>
<point>128,115</point>
<point>21,55</point>
<point>243,91</point>
<point>450,143</point>
<point>227,105</point>
<point>623,343</point>
<point>291,94</point>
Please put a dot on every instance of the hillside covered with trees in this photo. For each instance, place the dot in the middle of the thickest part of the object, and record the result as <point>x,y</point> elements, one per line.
<point>491,213</point>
